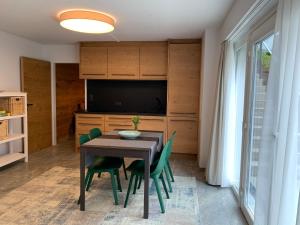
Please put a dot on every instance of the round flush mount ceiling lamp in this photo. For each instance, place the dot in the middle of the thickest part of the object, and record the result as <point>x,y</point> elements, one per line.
<point>86,21</point>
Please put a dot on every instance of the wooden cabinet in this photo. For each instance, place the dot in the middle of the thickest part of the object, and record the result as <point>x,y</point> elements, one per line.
<point>154,61</point>
<point>107,123</point>
<point>154,123</point>
<point>186,128</point>
<point>184,79</point>
<point>86,122</point>
<point>115,122</point>
<point>148,123</point>
<point>123,62</point>
<point>93,62</point>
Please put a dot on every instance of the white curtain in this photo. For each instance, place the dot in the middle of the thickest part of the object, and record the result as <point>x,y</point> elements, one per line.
<point>220,165</point>
<point>277,182</point>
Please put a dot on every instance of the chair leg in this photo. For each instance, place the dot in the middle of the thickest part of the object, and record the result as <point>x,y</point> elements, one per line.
<point>170,171</point>
<point>135,184</point>
<point>114,187</point>
<point>129,189</point>
<point>161,202</point>
<point>164,185</point>
<point>140,182</point>
<point>86,179</point>
<point>168,179</point>
<point>118,180</point>
<point>90,180</point>
<point>124,169</point>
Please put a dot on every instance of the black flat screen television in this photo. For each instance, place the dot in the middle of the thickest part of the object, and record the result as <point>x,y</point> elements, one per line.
<point>129,97</point>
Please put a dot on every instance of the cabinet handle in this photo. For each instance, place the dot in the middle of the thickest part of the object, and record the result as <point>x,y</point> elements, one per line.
<point>153,75</point>
<point>152,119</point>
<point>89,117</point>
<point>123,74</point>
<point>182,113</point>
<point>182,120</point>
<point>89,124</point>
<point>95,74</point>
<point>118,118</point>
<point>121,125</point>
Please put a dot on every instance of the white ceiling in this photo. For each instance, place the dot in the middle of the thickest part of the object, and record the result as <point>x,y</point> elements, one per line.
<point>136,20</point>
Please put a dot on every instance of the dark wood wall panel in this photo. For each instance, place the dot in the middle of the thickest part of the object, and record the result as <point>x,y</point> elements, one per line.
<point>69,94</point>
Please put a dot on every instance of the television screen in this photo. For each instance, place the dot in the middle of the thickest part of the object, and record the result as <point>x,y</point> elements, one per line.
<point>132,97</point>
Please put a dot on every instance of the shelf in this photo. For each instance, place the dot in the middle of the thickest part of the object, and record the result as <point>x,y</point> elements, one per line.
<point>12,137</point>
<point>11,117</point>
<point>10,158</point>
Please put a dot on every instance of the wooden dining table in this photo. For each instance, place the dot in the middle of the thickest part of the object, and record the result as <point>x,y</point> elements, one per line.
<point>111,144</point>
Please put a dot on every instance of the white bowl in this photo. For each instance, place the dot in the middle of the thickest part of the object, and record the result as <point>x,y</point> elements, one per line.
<point>129,134</point>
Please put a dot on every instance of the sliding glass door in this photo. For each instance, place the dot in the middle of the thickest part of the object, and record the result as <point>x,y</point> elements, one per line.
<point>262,58</point>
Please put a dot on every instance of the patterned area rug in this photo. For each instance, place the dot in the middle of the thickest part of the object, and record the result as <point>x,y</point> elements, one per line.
<point>51,199</point>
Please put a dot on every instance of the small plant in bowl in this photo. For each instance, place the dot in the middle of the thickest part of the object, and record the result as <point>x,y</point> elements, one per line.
<point>135,120</point>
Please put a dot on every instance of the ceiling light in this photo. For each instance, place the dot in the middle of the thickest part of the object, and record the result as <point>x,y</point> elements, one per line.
<point>86,21</point>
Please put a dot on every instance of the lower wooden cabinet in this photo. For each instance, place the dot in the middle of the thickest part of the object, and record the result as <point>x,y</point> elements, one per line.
<point>115,122</point>
<point>84,123</point>
<point>186,128</point>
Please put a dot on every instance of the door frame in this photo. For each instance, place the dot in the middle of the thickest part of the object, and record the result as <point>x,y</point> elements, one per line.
<point>256,34</point>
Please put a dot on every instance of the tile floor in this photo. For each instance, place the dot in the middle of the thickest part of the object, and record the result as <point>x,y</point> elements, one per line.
<point>218,206</point>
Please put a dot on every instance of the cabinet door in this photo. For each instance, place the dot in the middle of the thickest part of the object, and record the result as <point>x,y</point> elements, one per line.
<point>93,62</point>
<point>86,122</point>
<point>184,79</point>
<point>123,62</point>
<point>153,62</point>
<point>115,122</point>
<point>154,123</point>
<point>186,140</point>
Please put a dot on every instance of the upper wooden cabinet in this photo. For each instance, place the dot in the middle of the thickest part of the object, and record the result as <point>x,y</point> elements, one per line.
<point>154,61</point>
<point>93,62</point>
<point>123,62</point>
<point>184,79</point>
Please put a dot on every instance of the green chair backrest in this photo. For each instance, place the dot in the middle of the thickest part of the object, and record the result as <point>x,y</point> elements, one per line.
<point>95,132</point>
<point>171,145</point>
<point>163,159</point>
<point>84,138</point>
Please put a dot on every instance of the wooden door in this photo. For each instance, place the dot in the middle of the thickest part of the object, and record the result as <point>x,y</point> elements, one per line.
<point>186,140</point>
<point>184,79</point>
<point>153,61</point>
<point>69,98</point>
<point>36,81</point>
<point>93,62</point>
<point>123,62</point>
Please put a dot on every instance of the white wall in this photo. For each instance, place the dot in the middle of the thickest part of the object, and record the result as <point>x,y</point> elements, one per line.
<point>210,61</point>
<point>12,47</point>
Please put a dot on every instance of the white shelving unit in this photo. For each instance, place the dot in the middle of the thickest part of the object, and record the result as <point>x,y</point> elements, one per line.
<point>14,155</point>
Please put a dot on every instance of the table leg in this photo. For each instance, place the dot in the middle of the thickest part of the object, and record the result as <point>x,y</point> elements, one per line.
<point>82,175</point>
<point>146,187</point>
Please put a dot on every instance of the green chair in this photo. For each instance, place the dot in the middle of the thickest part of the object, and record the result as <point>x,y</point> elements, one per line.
<point>101,165</point>
<point>156,173</point>
<point>96,132</point>
<point>167,169</point>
